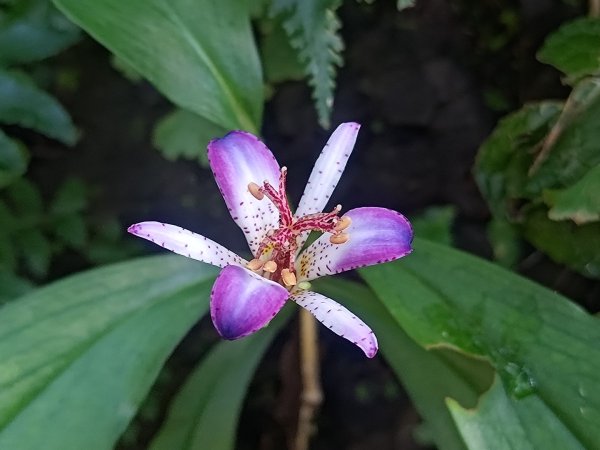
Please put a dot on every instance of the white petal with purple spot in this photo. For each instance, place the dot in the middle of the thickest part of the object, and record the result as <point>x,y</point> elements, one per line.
<point>339,320</point>
<point>328,169</point>
<point>243,302</point>
<point>186,243</point>
<point>236,160</point>
<point>377,235</point>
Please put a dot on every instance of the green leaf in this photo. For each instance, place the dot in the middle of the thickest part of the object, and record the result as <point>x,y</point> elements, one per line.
<point>205,412</point>
<point>403,4</point>
<point>580,202</point>
<point>576,246</point>
<point>71,229</point>
<point>435,224</point>
<point>280,59</point>
<point>25,199</point>
<point>501,422</point>
<point>14,159</point>
<point>85,350</point>
<point>199,54</point>
<point>12,286</point>
<point>540,344</point>
<point>183,134</point>
<point>313,29</point>
<point>574,49</point>
<point>427,377</point>
<point>71,197</point>
<point>36,251</point>
<point>22,103</point>
<point>32,30</point>
<point>505,240</point>
<point>505,157</point>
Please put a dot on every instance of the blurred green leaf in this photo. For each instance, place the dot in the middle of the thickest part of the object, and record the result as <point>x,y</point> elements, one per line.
<point>313,30</point>
<point>435,224</point>
<point>12,286</point>
<point>543,346</point>
<point>183,134</point>
<point>72,230</point>
<point>31,30</point>
<point>84,351</point>
<point>36,251</point>
<point>403,4</point>
<point>505,240</point>
<point>8,253</point>
<point>500,422</point>
<point>572,148</point>
<point>125,68</point>
<point>574,49</point>
<point>25,200</point>
<point>205,412</point>
<point>580,202</point>
<point>505,157</point>
<point>70,197</point>
<point>280,59</point>
<point>565,242</point>
<point>200,54</point>
<point>24,104</point>
<point>14,159</point>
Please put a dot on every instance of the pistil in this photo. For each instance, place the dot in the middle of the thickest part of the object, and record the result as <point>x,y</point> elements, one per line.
<point>275,258</point>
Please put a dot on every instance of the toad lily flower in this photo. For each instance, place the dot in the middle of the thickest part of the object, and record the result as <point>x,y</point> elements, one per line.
<point>248,294</point>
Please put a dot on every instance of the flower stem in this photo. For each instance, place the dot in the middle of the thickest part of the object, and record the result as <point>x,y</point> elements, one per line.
<point>311,395</point>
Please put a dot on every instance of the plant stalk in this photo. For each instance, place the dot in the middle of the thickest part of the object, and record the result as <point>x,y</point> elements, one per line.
<point>312,394</point>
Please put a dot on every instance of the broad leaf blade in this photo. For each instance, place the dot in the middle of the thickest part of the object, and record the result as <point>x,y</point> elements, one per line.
<point>204,414</point>
<point>200,54</point>
<point>540,343</point>
<point>77,357</point>
<point>500,422</point>
<point>426,377</point>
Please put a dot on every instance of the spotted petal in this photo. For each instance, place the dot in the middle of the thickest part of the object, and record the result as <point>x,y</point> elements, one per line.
<point>328,169</point>
<point>339,320</point>
<point>186,243</point>
<point>236,160</point>
<point>377,235</point>
<point>242,302</point>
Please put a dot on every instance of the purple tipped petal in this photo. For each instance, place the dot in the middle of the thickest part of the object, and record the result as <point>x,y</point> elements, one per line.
<point>238,159</point>
<point>339,320</point>
<point>186,243</point>
<point>243,302</point>
<point>377,235</point>
<point>328,169</point>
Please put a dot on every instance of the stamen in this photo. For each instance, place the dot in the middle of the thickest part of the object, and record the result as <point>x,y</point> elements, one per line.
<point>288,277</point>
<point>339,238</point>
<point>343,223</point>
<point>255,264</point>
<point>255,191</point>
<point>270,266</point>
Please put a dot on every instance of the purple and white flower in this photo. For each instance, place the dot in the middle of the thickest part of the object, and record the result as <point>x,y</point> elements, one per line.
<point>248,294</point>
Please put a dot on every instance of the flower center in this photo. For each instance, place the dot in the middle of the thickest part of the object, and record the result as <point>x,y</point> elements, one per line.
<point>276,255</point>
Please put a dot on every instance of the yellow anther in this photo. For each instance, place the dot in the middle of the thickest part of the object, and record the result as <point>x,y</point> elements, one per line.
<point>339,238</point>
<point>255,191</point>
<point>288,277</point>
<point>270,266</point>
<point>343,223</point>
<point>255,264</point>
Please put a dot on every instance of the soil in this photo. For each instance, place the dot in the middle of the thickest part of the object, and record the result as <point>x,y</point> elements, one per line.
<point>420,83</point>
